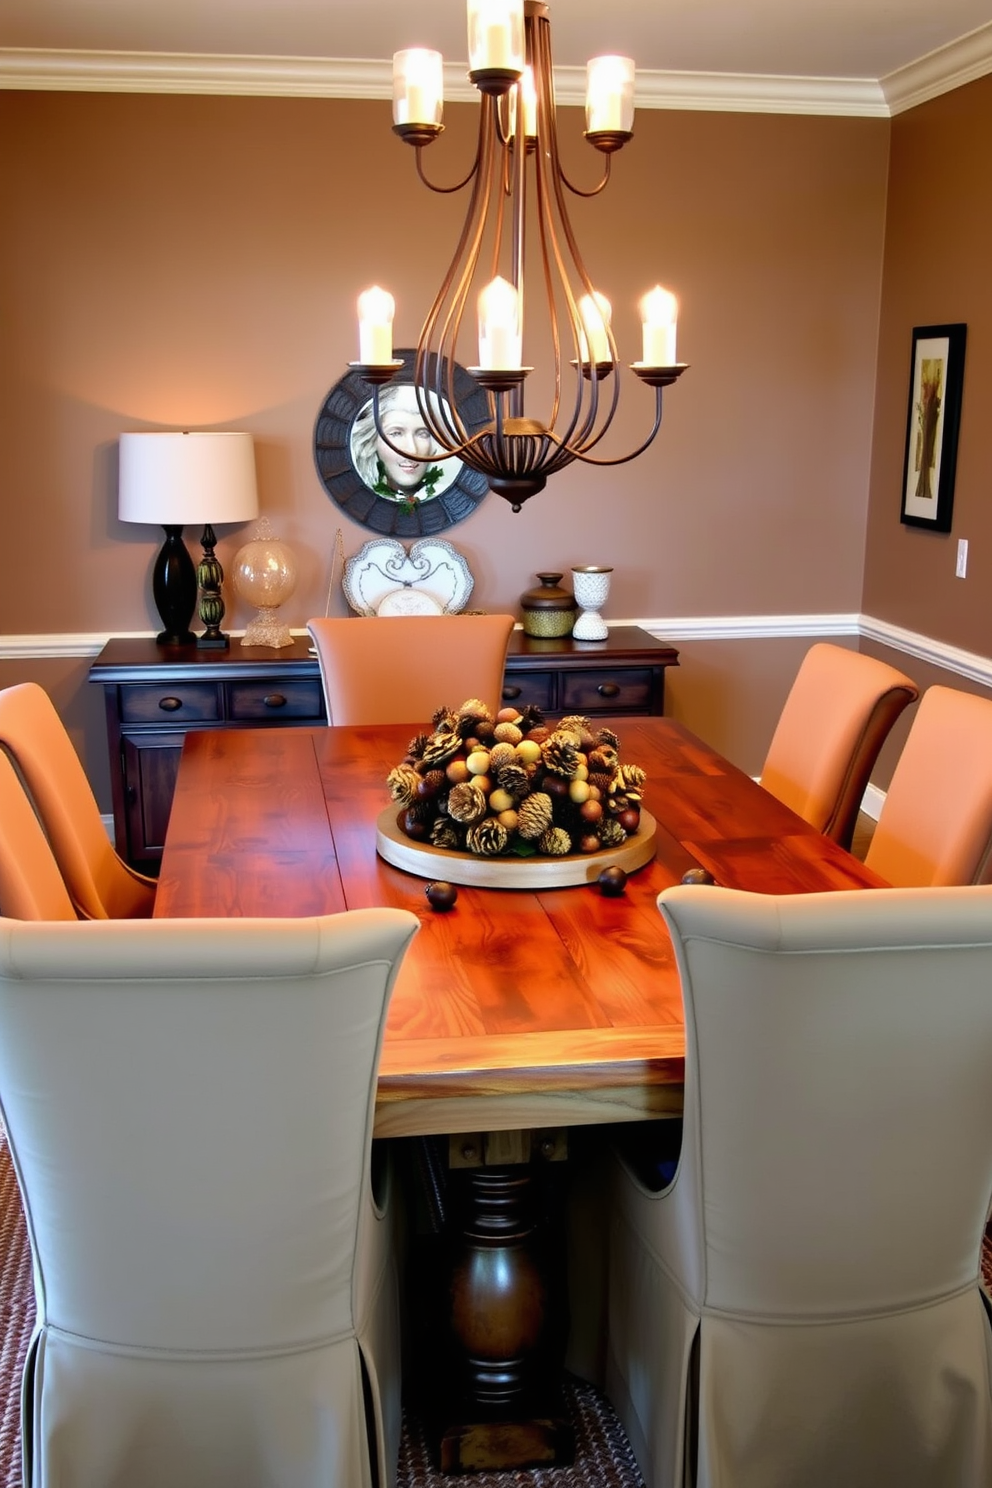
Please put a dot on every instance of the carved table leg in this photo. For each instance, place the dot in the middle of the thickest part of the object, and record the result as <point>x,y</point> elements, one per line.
<point>502,1404</point>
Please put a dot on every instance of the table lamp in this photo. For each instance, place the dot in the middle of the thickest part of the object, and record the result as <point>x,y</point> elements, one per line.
<point>171,480</point>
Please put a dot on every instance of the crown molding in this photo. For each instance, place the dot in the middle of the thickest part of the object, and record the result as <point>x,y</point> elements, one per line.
<point>318,77</point>
<point>952,66</point>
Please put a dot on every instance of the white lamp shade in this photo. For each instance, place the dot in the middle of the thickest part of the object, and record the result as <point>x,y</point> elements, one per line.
<point>175,479</point>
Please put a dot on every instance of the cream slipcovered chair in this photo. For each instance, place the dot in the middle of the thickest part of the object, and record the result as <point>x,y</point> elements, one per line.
<point>101,884</point>
<point>31,886</point>
<point>835,720</point>
<point>803,1300</point>
<point>935,826</point>
<point>189,1107</point>
<point>402,668</point>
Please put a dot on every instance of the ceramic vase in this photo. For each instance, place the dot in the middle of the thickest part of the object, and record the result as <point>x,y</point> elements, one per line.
<point>591,587</point>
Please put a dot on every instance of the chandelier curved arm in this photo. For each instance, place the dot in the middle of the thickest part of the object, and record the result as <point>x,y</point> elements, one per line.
<point>447,453</point>
<point>622,459</point>
<point>595,190</point>
<point>448,190</point>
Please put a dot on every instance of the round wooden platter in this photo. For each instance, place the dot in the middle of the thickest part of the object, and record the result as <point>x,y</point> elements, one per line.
<point>535,873</point>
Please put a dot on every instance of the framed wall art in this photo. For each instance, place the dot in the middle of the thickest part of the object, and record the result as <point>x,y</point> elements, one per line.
<point>416,495</point>
<point>936,378</point>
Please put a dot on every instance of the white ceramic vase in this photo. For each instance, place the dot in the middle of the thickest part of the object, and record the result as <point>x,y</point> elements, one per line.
<point>591,587</point>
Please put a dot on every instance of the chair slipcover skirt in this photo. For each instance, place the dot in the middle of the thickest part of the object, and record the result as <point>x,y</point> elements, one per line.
<point>800,1307</point>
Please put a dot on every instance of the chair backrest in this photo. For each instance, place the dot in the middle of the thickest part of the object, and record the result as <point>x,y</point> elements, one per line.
<point>31,886</point>
<point>935,825</point>
<point>189,1105</point>
<point>402,668</point>
<point>936,822</point>
<point>834,722</point>
<point>837,1145</point>
<point>100,884</point>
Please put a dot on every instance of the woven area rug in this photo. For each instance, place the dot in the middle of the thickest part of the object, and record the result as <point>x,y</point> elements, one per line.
<point>603,1457</point>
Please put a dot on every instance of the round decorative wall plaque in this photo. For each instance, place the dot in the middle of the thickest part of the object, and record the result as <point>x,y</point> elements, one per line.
<point>415,494</point>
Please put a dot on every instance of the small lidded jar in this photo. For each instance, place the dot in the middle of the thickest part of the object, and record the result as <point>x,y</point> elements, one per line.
<point>549,610</point>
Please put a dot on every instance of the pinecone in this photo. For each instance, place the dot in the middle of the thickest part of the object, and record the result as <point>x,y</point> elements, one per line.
<point>512,777</point>
<point>560,754</point>
<point>488,839</point>
<point>555,842</point>
<point>531,717</point>
<point>416,746</point>
<point>402,782</point>
<point>444,720</point>
<point>445,834</point>
<point>466,803</point>
<point>603,783</point>
<point>475,710</point>
<point>534,816</point>
<point>633,777</point>
<point>611,833</point>
<point>607,736</point>
<point>603,759</point>
<point>440,748</point>
<point>575,724</point>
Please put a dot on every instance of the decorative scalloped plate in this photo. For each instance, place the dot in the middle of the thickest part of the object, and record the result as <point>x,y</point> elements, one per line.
<point>534,874</point>
<point>384,578</point>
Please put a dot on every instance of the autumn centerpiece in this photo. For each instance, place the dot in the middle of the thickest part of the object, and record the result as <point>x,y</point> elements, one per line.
<point>508,785</point>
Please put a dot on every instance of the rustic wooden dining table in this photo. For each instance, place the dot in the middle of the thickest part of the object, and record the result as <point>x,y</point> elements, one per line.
<point>517,1008</point>
<point>517,1016</point>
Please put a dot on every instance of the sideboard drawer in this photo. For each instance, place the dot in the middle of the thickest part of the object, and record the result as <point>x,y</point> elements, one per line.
<point>252,702</point>
<point>606,692</point>
<point>534,688</point>
<point>180,702</point>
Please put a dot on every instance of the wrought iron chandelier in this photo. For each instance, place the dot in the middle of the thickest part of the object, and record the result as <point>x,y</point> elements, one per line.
<point>517,207</point>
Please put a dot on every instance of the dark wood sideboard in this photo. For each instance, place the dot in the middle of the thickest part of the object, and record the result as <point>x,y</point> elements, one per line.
<point>156,694</point>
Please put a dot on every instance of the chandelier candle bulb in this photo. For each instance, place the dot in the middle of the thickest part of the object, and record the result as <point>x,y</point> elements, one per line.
<point>376,308</point>
<point>595,313</point>
<point>610,95</point>
<point>499,326</point>
<point>528,100</point>
<point>418,86</point>
<point>496,35</point>
<point>659,313</point>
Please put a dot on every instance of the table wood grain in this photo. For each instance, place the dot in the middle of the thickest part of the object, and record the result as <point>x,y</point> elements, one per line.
<point>516,1008</point>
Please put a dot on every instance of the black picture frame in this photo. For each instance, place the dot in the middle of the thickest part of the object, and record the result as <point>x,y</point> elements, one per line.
<point>936,379</point>
<point>420,516</point>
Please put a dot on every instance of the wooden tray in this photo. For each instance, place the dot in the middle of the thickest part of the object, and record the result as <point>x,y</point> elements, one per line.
<point>535,874</point>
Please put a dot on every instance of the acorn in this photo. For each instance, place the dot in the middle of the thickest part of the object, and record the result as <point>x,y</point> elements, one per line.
<point>697,876</point>
<point>612,882</point>
<point>441,896</point>
<point>629,819</point>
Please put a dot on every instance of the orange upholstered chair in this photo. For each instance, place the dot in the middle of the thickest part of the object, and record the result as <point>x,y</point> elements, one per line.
<point>31,886</point>
<point>100,884</point>
<point>402,668</point>
<point>834,722</point>
<point>935,827</point>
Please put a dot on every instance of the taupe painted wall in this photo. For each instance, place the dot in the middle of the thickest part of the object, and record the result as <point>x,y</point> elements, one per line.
<point>193,262</point>
<point>938,252</point>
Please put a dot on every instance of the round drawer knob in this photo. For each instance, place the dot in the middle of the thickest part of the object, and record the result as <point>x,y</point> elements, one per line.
<point>511,692</point>
<point>275,700</point>
<point>170,704</point>
<point>608,689</point>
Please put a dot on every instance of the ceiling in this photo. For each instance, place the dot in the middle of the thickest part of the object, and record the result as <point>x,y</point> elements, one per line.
<point>797,39</point>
